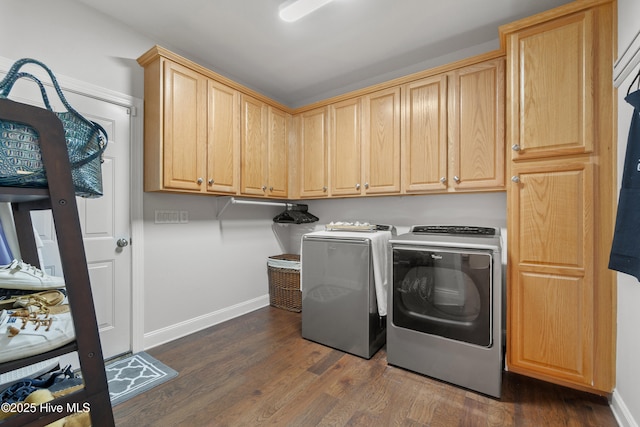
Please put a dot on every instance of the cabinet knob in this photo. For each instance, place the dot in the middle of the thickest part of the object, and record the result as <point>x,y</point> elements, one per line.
<point>324,188</point>
<point>210,181</point>
<point>516,147</point>
<point>200,181</point>
<point>270,189</point>
<point>357,186</point>
<point>264,188</point>
<point>443,179</point>
<point>456,179</point>
<point>515,179</point>
<point>366,185</point>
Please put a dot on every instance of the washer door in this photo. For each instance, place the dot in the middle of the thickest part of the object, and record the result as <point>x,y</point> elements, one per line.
<point>445,292</point>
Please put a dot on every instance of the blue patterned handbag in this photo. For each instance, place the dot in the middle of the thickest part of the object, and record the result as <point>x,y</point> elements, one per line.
<point>20,157</point>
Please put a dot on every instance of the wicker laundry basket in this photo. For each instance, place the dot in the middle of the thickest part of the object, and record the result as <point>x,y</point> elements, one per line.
<point>284,282</point>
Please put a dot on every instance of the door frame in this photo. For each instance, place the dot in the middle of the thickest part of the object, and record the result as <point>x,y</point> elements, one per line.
<point>136,222</point>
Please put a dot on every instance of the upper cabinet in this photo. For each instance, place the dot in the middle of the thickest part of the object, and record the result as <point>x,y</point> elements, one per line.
<point>381,142</point>
<point>223,139</point>
<point>424,135</point>
<point>552,97</point>
<point>453,130</point>
<point>253,165</point>
<point>476,126</point>
<point>345,147</point>
<point>313,153</point>
<point>364,144</point>
<point>278,123</point>
<point>192,131</point>
<point>264,150</point>
<point>199,127</point>
<point>179,162</point>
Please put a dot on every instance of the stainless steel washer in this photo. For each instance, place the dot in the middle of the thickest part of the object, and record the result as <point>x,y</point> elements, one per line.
<point>445,305</point>
<point>339,299</point>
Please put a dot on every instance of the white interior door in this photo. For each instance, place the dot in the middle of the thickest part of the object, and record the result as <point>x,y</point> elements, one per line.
<point>103,220</point>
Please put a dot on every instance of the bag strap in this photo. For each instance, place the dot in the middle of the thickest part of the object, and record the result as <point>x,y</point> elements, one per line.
<point>6,88</point>
<point>14,74</point>
<point>15,68</point>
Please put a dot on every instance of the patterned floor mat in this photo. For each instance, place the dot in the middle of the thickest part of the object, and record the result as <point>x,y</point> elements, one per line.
<point>135,374</point>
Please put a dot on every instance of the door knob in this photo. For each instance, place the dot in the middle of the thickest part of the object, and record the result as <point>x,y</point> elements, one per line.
<point>122,243</point>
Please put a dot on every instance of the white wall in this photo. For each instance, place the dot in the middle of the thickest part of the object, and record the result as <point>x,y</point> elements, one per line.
<point>200,273</point>
<point>626,399</point>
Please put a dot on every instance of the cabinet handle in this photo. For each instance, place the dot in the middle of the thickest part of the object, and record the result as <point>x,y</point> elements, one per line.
<point>357,186</point>
<point>456,179</point>
<point>366,185</point>
<point>515,179</point>
<point>516,147</point>
<point>443,179</point>
<point>200,181</point>
<point>210,181</point>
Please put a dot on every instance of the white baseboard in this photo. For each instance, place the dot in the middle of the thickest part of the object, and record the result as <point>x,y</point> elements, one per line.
<point>173,332</point>
<point>621,412</point>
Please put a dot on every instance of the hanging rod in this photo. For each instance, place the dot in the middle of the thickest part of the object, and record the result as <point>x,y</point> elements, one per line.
<point>234,201</point>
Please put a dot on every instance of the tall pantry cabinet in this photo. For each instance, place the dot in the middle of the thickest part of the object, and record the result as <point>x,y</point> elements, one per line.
<point>561,198</point>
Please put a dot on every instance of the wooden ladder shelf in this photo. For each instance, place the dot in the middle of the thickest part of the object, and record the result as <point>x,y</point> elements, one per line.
<point>60,198</point>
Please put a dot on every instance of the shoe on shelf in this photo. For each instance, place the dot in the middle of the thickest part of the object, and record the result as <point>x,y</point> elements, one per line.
<point>20,275</point>
<point>27,332</point>
<point>48,298</point>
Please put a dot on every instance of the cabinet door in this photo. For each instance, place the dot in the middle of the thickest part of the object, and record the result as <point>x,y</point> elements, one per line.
<point>313,153</point>
<point>551,88</point>
<point>223,147</point>
<point>278,150</point>
<point>381,141</point>
<point>185,128</point>
<point>551,268</point>
<point>254,147</point>
<point>345,148</point>
<point>424,136</point>
<point>476,127</point>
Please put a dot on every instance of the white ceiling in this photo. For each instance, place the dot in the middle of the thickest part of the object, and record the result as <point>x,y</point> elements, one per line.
<point>343,46</point>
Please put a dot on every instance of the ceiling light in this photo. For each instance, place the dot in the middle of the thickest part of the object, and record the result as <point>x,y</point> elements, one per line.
<point>294,10</point>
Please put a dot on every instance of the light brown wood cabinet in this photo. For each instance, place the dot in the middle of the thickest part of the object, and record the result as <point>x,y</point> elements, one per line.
<point>223,139</point>
<point>381,142</point>
<point>364,144</point>
<point>184,136</point>
<point>264,150</point>
<point>560,294</point>
<point>313,153</point>
<point>192,131</point>
<point>345,146</point>
<point>453,130</point>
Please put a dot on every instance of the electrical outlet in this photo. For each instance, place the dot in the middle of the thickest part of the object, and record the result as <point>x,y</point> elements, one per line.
<point>184,217</point>
<point>167,217</point>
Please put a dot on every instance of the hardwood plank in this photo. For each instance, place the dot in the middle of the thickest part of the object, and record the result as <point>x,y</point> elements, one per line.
<point>257,370</point>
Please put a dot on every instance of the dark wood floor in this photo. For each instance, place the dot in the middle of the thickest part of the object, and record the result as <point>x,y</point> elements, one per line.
<point>257,370</point>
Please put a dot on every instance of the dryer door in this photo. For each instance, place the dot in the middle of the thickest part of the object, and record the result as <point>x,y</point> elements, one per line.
<point>444,292</point>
